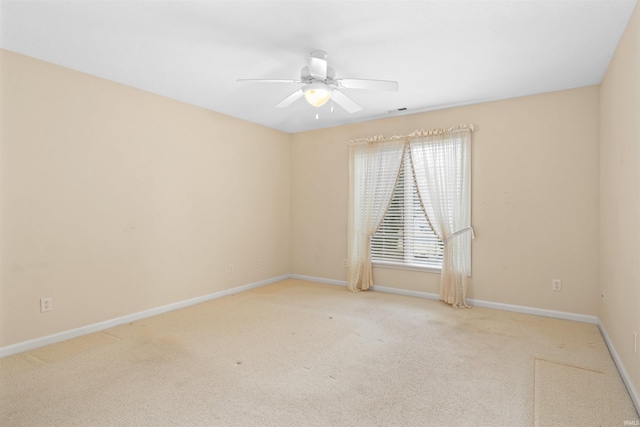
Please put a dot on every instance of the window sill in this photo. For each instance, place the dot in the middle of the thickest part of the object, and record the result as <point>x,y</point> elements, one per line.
<point>398,266</point>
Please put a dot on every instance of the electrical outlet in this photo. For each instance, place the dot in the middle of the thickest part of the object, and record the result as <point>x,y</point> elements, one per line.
<point>344,263</point>
<point>46,304</point>
<point>556,285</point>
<point>230,268</point>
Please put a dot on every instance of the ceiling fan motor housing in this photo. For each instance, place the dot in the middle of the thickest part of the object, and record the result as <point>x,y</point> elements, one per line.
<point>306,77</point>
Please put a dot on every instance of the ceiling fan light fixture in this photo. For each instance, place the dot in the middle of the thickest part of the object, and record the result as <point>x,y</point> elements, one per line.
<point>317,94</point>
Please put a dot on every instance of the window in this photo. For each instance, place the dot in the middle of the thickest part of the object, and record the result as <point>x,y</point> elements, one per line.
<point>386,224</point>
<point>405,236</point>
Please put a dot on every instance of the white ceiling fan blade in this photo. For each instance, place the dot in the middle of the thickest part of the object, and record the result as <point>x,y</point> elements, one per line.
<point>290,99</point>
<point>317,64</point>
<point>389,85</point>
<point>344,101</point>
<point>268,81</point>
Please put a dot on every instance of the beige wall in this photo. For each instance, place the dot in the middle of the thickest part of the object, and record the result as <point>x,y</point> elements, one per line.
<point>534,199</point>
<point>114,200</point>
<point>620,198</point>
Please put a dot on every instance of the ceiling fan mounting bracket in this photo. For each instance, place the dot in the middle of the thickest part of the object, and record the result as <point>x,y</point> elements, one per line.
<point>319,54</point>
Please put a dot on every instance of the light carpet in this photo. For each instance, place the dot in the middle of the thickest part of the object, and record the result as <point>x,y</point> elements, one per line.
<point>298,353</point>
<point>566,394</point>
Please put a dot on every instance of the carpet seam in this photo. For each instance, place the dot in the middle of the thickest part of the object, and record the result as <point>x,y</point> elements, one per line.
<point>568,365</point>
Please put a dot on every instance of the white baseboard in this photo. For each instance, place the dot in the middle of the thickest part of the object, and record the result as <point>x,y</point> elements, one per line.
<point>473,302</point>
<point>633,392</point>
<point>496,305</point>
<point>405,292</point>
<point>317,279</point>
<point>100,326</point>
<point>584,318</point>
<point>62,336</point>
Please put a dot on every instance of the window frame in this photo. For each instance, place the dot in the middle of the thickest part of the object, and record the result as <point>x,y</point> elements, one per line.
<point>406,174</point>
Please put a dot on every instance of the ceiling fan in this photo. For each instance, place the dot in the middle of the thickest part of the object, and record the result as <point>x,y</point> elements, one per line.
<point>320,85</point>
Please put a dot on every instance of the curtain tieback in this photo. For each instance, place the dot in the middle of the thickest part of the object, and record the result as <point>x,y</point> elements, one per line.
<point>464,230</point>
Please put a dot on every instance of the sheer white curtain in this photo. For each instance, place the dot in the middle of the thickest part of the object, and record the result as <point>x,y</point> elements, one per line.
<point>442,168</point>
<point>373,171</point>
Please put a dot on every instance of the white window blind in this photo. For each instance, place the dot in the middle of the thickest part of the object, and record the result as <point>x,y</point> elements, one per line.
<point>405,237</point>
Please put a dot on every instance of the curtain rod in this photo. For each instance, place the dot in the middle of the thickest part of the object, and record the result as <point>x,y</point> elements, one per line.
<point>415,134</point>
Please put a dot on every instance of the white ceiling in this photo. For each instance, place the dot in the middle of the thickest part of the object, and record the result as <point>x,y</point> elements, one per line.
<point>442,53</point>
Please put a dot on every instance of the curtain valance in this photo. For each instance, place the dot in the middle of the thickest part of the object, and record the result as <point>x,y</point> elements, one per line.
<point>414,134</point>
